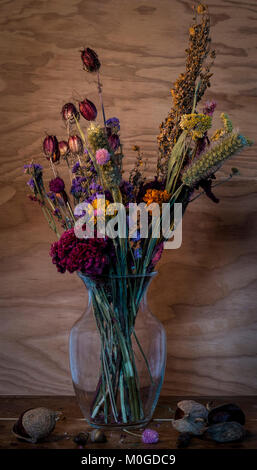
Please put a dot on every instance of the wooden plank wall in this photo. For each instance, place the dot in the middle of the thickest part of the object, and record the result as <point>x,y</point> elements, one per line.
<point>206,291</point>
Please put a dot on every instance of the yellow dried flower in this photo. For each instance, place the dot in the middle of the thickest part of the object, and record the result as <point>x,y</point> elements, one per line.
<point>97,137</point>
<point>98,209</point>
<point>135,148</point>
<point>192,31</point>
<point>228,126</point>
<point>217,135</point>
<point>196,124</point>
<point>227,129</point>
<point>156,195</point>
<point>201,9</point>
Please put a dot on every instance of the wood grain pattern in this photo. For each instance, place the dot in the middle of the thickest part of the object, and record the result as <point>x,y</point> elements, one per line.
<point>65,430</point>
<point>206,291</point>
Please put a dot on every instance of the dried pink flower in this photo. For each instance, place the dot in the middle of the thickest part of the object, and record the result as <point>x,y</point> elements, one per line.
<point>102,156</point>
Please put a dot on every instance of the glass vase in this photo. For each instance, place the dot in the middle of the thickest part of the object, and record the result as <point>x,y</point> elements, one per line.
<point>117,353</point>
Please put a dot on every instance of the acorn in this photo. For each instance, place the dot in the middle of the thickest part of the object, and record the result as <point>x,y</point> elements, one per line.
<point>90,60</point>
<point>81,438</point>
<point>35,423</point>
<point>75,144</point>
<point>51,148</point>
<point>225,413</point>
<point>97,435</point>
<point>88,110</point>
<point>68,112</point>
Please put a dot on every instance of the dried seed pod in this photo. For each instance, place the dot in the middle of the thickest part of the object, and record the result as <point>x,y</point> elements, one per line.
<point>81,438</point>
<point>188,425</point>
<point>225,432</point>
<point>90,60</point>
<point>226,412</point>
<point>88,110</point>
<point>63,148</point>
<point>97,435</point>
<point>75,144</point>
<point>35,424</point>
<point>192,408</point>
<point>68,112</point>
<point>51,148</point>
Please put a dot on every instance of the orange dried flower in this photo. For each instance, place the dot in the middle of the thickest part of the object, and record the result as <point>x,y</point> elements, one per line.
<point>201,9</point>
<point>156,195</point>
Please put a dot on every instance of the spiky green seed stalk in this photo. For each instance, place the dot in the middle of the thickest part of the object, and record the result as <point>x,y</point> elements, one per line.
<point>210,161</point>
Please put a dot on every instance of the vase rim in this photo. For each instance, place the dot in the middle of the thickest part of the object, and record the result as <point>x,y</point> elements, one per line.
<point>118,276</point>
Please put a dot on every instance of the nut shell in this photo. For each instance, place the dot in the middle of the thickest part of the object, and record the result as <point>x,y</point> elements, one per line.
<point>187,425</point>
<point>35,424</point>
<point>192,408</point>
<point>97,435</point>
<point>226,412</point>
<point>225,432</point>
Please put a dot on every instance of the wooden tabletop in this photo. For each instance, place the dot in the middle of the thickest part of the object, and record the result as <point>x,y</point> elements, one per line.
<point>72,423</point>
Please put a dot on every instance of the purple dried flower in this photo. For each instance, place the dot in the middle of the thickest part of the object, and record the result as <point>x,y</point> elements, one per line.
<point>138,253</point>
<point>114,141</point>
<point>75,167</point>
<point>35,166</point>
<point>150,436</point>
<point>76,187</point>
<point>31,183</point>
<point>113,124</point>
<point>57,185</point>
<point>35,170</point>
<point>51,196</point>
<point>209,108</point>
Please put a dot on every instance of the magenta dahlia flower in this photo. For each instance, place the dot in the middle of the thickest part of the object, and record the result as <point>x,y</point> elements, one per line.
<point>91,256</point>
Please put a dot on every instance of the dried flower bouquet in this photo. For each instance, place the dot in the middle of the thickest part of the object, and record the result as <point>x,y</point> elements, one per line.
<point>115,269</point>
